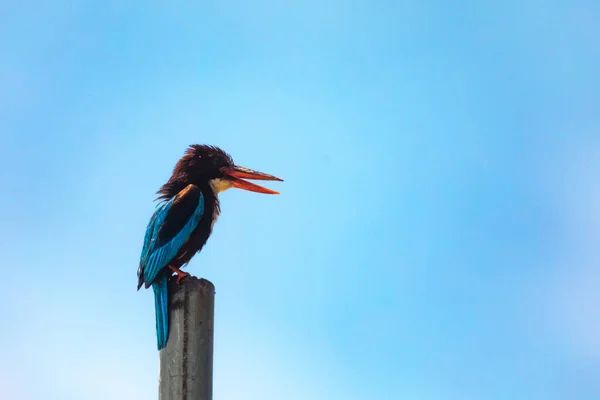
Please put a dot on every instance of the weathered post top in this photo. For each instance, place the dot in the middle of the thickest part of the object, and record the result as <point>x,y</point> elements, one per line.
<point>186,363</point>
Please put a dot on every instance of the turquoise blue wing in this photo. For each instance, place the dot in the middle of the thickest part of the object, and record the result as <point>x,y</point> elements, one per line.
<point>169,228</point>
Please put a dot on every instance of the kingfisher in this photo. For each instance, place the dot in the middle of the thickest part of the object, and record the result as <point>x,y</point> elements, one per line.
<point>184,218</point>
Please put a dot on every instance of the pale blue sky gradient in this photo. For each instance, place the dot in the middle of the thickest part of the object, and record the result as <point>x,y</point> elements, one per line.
<point>437,233</point>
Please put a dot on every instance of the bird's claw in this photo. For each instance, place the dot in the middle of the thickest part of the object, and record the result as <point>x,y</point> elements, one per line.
<point>180,274</point>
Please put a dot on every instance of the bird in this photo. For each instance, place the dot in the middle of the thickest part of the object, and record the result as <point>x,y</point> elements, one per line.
<point>188,207</point>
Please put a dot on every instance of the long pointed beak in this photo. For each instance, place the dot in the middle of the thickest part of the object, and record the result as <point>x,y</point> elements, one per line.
<point>237,174</point>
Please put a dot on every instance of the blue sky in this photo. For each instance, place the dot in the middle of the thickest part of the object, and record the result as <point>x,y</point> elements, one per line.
<point>436,236</point>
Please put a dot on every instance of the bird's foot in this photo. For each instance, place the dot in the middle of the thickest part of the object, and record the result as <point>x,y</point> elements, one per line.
<point>180,273</point>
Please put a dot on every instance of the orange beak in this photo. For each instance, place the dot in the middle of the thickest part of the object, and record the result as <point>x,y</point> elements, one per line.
<point>237,174</point>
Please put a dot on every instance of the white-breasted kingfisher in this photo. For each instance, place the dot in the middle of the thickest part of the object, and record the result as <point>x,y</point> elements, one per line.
<point>184,219</point>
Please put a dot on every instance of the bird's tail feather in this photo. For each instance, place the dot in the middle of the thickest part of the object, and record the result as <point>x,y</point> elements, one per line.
<point>161,304</point>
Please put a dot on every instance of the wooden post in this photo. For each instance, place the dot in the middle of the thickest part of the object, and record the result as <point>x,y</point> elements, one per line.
<point>186,363</point>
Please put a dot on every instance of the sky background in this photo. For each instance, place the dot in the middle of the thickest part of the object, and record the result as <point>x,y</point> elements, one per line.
<point>436,236</point>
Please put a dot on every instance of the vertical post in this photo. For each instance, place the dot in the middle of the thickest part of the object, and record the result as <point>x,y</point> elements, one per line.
<point>186,363</point>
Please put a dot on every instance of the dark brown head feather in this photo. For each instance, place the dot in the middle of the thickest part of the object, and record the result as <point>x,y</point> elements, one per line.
<point>199,163</point>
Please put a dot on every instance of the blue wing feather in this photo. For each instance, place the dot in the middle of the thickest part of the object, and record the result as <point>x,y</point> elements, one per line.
<point>156,255</point>
<point>150,233</point>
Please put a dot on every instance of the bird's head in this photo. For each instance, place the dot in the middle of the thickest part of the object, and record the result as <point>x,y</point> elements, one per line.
<point>203,164</point>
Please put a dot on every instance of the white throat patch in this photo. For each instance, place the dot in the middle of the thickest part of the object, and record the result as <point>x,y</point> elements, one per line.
<point>219,185</point>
